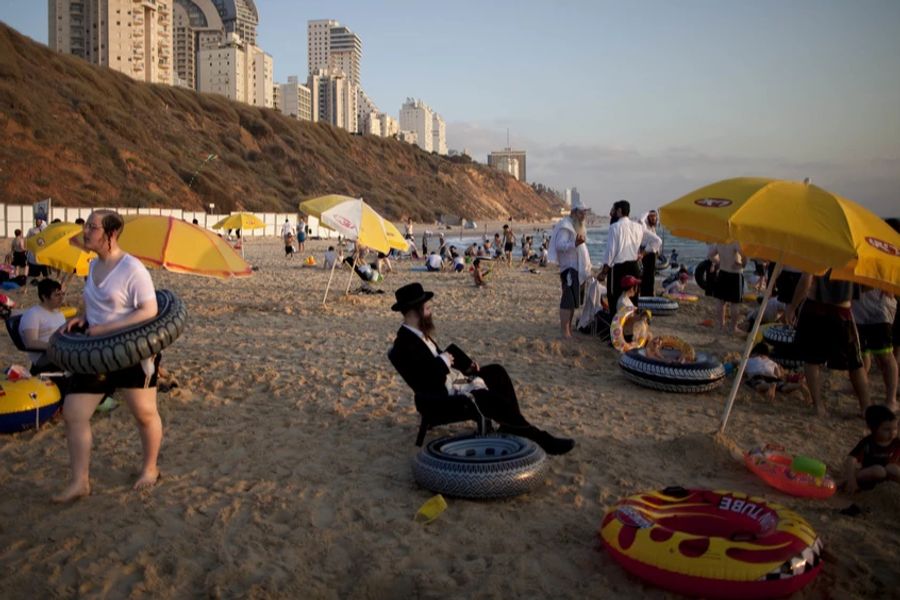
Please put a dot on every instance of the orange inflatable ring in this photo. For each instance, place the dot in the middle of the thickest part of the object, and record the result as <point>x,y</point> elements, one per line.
<point>714,544</point>
<point>773,465</point>
<point>617,332</point>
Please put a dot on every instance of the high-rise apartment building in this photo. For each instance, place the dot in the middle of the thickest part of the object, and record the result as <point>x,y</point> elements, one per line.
<point>331,46</point>
<point>501,160</point>
<point>333,99</point>
<point>131,37</point>
<point>295,99</point>
<point>439,135</point>
<point>429,127</point>
<point>572,195</point>
<point>237,71</point>
<point>240,17</point>
<point>197,25</point>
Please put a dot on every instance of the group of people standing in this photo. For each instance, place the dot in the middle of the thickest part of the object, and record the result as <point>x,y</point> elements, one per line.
<point>290,234</point>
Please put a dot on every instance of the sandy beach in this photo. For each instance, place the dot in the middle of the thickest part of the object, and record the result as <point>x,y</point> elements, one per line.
<point>286,459</point>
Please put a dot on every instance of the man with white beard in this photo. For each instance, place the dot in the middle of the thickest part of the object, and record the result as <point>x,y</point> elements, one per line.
<point>568,249</point>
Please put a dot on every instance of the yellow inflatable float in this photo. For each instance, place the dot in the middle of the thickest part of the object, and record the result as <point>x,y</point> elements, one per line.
<point>26,403</point>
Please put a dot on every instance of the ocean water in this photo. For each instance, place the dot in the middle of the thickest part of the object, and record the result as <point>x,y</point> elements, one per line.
<point>690,252</point>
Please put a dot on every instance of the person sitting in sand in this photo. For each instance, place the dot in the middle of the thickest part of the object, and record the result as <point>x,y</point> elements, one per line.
<point>479,276</point>
<point>40,322</point>
<point>459,263</point>
<point>434,262</point>
<point>679,285</point>
<point>876,457</point>
<point>629,285</point>
<point>331,258</point>
<point>766,376</point>
<point>118,294</point>
<point>430,372</point>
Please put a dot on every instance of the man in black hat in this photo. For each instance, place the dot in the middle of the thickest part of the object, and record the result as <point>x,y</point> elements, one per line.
<point>430,372</point>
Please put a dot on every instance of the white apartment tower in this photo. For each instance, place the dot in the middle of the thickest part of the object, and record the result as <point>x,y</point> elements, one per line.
<point>330,46</point>
<point>416,116</point>
<point>238,16</point>
<point>333,99</point>
<point>572,195</point>
<point>131,37</point>
<point>197,26</point>
<point>237,71</point>
<point>295,99</point>
<point>439,135</point>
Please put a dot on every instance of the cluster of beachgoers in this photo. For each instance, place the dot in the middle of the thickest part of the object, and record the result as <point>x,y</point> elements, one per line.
<point>630,332</point>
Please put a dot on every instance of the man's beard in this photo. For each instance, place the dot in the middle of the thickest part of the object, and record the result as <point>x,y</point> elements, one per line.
<point>578,224</point>
<point>613,219</point>
<point>426,323</point>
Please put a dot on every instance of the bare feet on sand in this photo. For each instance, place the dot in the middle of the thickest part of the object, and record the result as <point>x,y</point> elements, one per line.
<point>147,480</point>
<point>73,492</point>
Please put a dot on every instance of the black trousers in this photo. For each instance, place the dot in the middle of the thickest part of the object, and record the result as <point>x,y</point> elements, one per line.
<point>648,276</point>
<point>498,403</point>
<point>614,279</point>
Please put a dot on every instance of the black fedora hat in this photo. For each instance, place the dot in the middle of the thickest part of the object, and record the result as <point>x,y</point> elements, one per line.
<point>411,295</point>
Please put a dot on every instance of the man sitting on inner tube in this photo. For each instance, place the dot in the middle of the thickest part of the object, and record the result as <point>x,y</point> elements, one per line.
<point>452,381</point>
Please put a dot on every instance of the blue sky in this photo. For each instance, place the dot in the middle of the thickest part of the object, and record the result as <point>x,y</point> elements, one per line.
<point>641,100</point>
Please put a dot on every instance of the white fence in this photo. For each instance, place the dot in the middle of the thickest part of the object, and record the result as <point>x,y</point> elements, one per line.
<point>13,216</point>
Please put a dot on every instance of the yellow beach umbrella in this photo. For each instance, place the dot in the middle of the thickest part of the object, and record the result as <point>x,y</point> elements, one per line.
<point>355,220</point>
<point>178,246</point>
<point>51,247</point>
<point>793,223</point>
<point>241,220</point>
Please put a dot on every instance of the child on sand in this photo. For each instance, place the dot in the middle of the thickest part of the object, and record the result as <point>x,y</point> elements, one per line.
<point>876,457</point>
<point>478,275</point>
<point>678,286</point>
<point>766,376</point>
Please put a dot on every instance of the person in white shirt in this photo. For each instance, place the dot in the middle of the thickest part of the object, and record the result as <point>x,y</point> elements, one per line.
<point>434,262</point>
<point>568,249</point>
<point>287,234</point>
<point>118,294</point>
<point>331,258</point>
<point>679,285</point>
<point>623,244</point>
<point>651,250</point>
<point>40,322</point>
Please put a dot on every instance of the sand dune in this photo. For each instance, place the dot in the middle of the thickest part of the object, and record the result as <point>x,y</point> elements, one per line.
<point>288,440</point>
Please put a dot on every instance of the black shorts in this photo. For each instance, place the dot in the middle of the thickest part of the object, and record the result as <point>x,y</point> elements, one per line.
<point>571,290</point>
<point>107,383</point>
<point>508,247</point>
<point>875,338</point>
<point>897,329</point>
<point>288,249</point>
<point>827,334</point>
<point>785,285</point>
<point>38,270</point>
<point>19,259</point>
<point>729,287</point>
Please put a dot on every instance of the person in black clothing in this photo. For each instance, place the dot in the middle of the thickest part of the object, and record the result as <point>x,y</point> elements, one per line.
<point>876,457</point>
<point>430,372</point>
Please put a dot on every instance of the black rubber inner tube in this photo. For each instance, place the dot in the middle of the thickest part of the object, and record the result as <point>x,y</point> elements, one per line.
<point>94,355</point>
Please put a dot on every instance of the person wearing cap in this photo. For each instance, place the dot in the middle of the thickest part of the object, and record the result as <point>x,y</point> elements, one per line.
<point>623,244</point>
<point>568,249</point>
<point>430,372</point>
<point>679,285</point>
<point>651,250</point>
<point>629,285</point>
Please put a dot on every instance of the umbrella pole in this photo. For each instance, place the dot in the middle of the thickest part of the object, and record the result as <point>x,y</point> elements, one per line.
<point>352,271</point>
<point>330,277</point>
<point>748,347</point>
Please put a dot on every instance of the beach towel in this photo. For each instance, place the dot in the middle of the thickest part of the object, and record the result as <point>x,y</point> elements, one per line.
<point>584,257</point>
<point>593,303</point>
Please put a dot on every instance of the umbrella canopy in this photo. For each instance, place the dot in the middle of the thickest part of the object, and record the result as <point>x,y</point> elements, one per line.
<point>356,220</point>
<point>240,220</point>
<point>796,223</point>
<point>178,246</point>
<point>792,223</point>
<point>51,247</point>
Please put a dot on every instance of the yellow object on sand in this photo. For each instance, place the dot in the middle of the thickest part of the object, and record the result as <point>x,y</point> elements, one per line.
<point>240,220</point>
<point>792,222</point>
<point>431,510</point>
<point>52,247</point>
<point>356,220</point>
<point>68,311</point>
<point>311,260</point>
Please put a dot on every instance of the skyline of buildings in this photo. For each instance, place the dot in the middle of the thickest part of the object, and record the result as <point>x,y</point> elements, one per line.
<point>509,161</point>
<point>210,46</point>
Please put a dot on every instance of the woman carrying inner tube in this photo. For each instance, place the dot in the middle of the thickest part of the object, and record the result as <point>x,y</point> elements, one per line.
<point>118,293</point>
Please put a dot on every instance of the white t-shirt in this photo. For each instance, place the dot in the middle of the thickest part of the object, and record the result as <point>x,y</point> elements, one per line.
<point>124,288</point>
<point>459,261</point>
<point>676,287</point>
<point>761,365</point>
<point>46,322</point>
<point>287,229</point>
<point>625,239</point>
<point>434,261</point>
<point>624,301</point>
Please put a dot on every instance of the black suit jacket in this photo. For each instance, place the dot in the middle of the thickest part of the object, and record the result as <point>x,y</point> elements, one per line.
<point>425,373</point>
